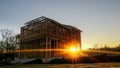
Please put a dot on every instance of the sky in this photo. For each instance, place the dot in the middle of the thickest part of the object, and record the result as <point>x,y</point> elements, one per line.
<point>98,19</point>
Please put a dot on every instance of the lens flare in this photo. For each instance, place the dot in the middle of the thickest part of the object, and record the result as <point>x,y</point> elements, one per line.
<point>73,49</point>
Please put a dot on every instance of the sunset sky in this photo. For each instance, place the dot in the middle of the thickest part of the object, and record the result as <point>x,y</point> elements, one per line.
<point>98,19</point>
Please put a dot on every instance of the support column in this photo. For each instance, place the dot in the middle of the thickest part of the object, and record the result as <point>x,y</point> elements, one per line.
<point>57,48</point>
<point>50,46</point>
<point>46,54</point>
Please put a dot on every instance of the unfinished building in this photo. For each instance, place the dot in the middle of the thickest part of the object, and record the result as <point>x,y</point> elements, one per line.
<point>46,33</point>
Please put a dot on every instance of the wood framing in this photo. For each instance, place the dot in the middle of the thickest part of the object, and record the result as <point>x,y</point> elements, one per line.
<point>46,33</point>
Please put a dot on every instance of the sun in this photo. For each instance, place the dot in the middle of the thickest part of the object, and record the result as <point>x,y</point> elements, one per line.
<point>73,49</point>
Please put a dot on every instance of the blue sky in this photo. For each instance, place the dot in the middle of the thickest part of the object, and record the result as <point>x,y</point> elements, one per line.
<point>98,19</point>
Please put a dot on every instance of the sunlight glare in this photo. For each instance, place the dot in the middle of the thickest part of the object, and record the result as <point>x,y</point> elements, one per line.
<point>73,49</point>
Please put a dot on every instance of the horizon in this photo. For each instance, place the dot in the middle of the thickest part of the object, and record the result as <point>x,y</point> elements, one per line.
<point>99,20</point>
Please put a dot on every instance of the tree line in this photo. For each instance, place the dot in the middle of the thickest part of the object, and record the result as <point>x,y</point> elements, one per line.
<point>108,48</point>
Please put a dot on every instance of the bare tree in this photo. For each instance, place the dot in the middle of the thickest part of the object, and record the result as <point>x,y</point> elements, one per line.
<point>8,39</point>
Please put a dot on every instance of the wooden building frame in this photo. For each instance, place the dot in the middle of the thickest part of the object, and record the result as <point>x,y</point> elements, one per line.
<point>46,33</point>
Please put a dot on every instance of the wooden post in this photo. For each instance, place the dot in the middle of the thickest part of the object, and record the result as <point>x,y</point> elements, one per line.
<point>57,48</point>
<point>46,55</point>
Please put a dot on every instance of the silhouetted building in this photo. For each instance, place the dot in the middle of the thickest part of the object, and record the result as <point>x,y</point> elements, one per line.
<point>45,33</point>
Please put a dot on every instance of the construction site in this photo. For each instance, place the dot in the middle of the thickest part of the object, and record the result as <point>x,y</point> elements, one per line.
<point>45,33</point>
